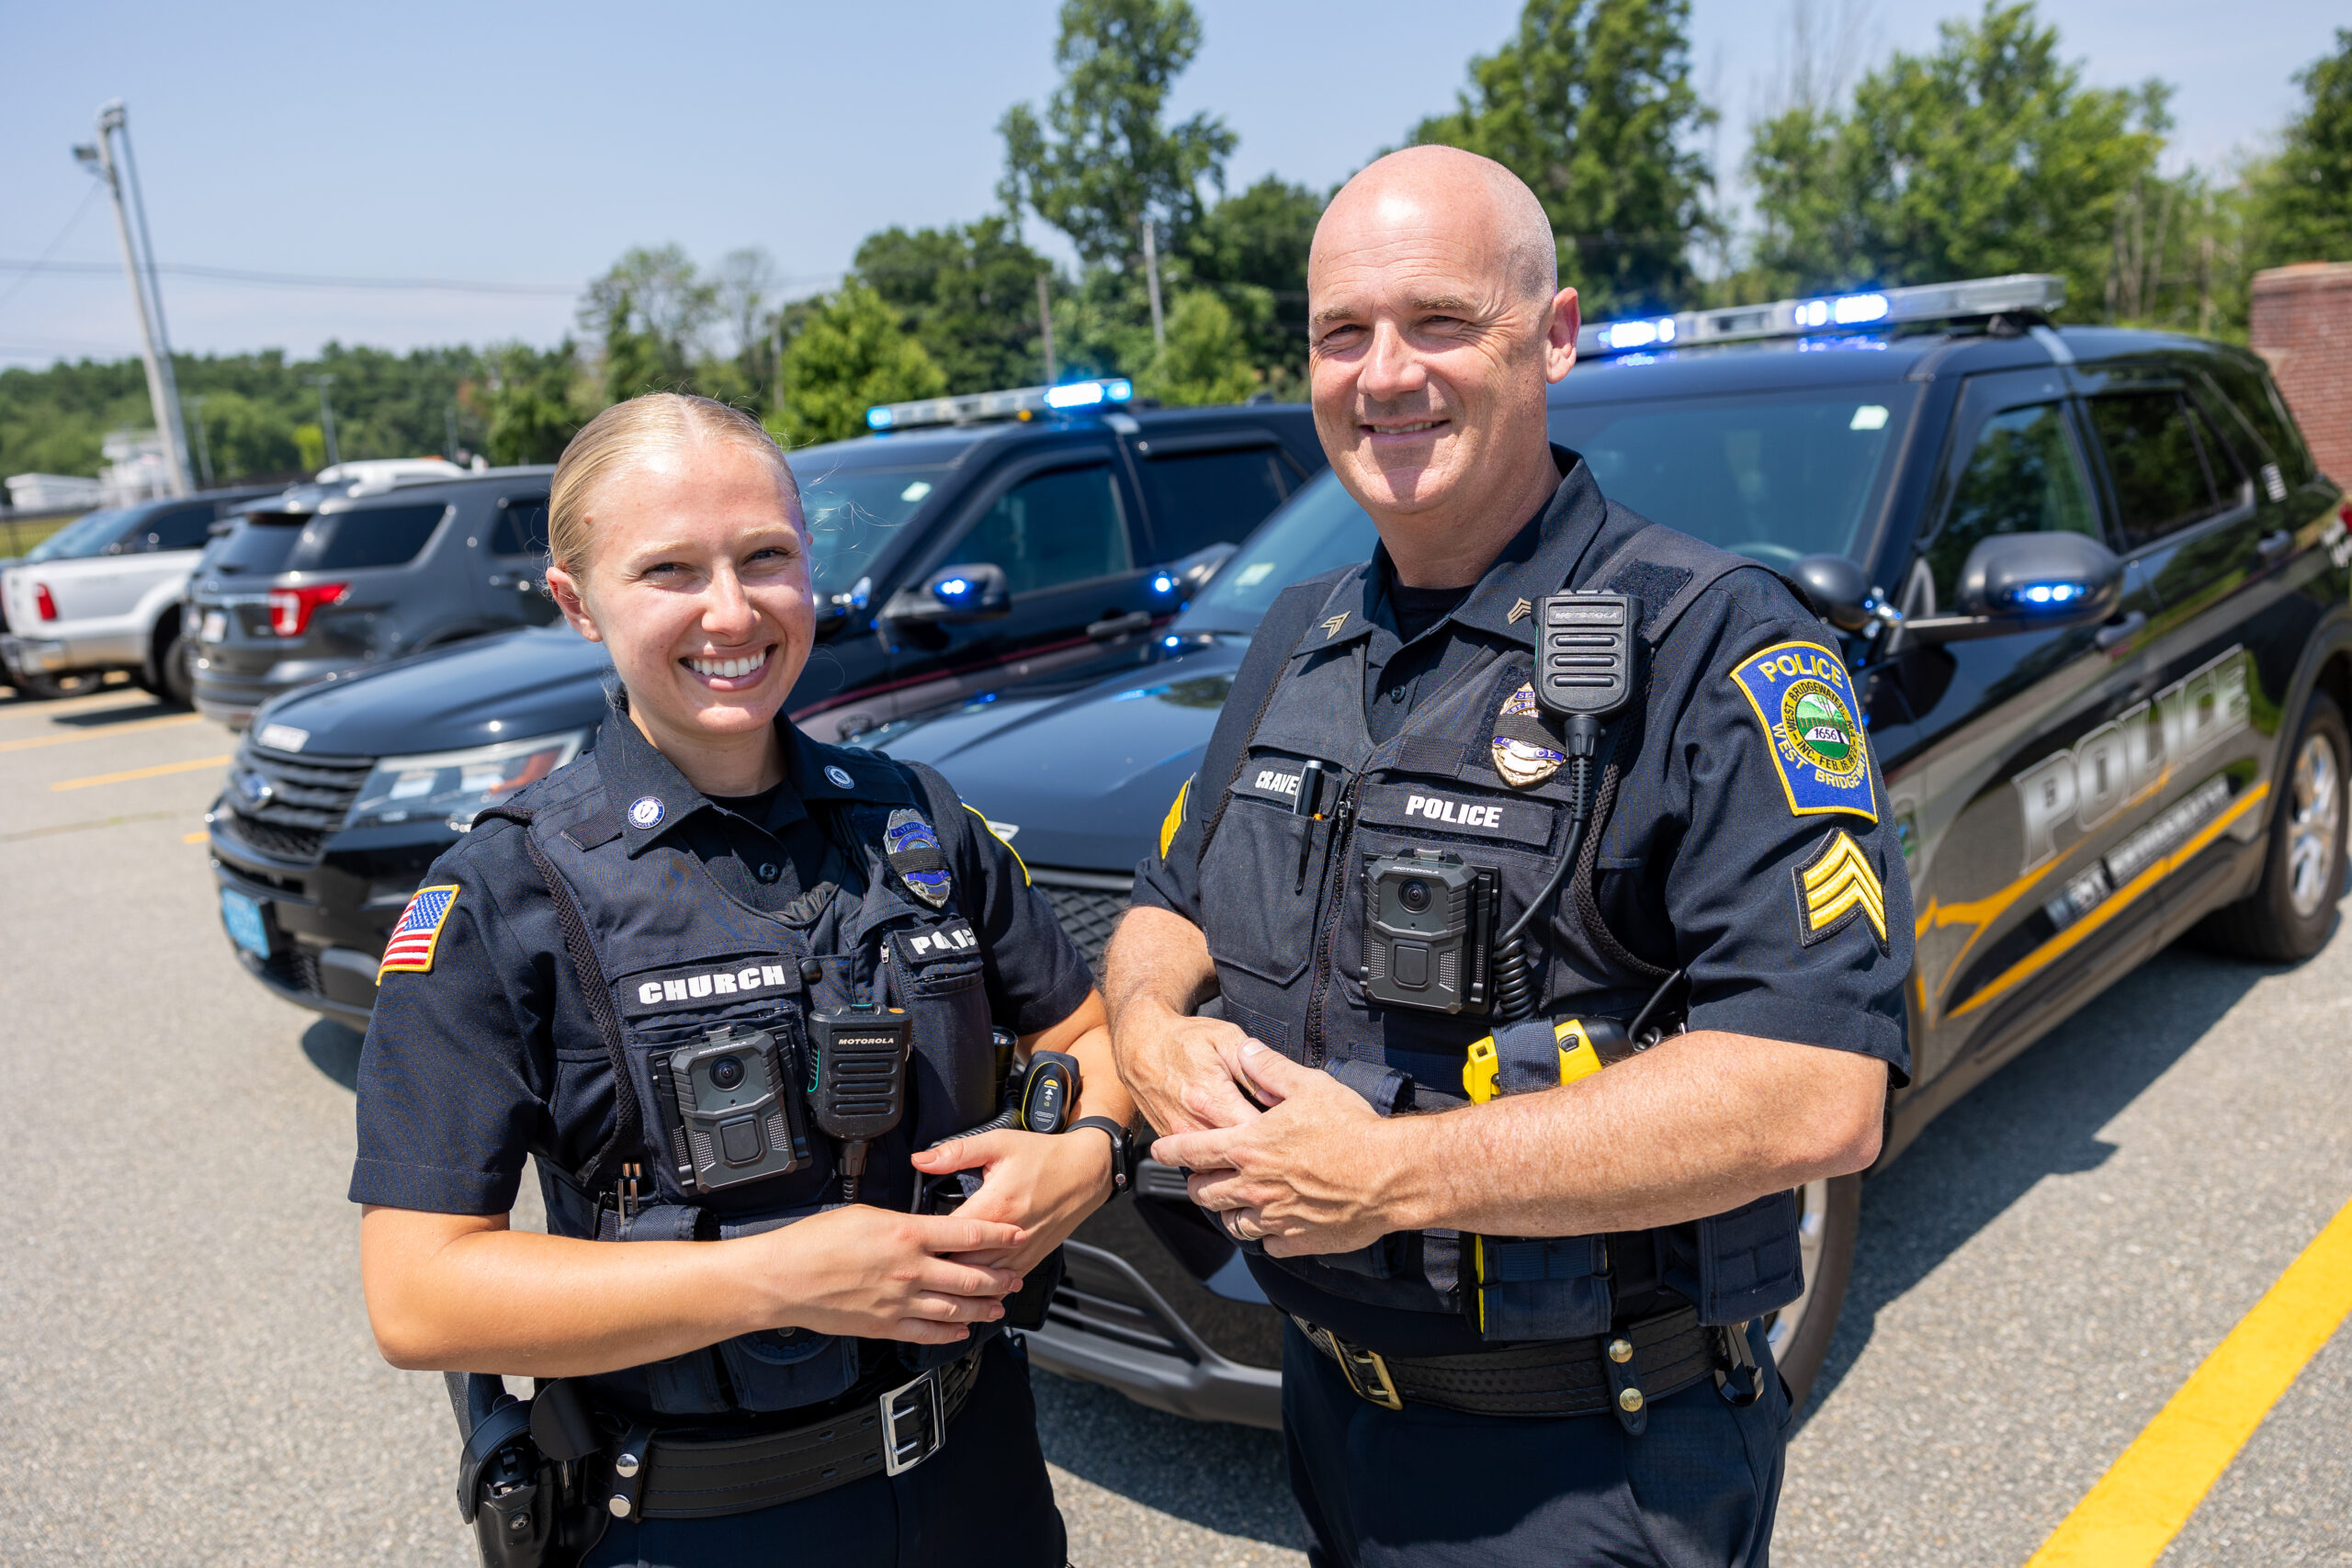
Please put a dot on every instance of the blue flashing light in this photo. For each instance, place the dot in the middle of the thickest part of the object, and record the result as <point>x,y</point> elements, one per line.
<point>1163,583</point>
<point>878,418</point>
<point>1076,395</point>
<point>2052,592</point>
<point>1171,641</point>
<point>1624,336</point>
<point>1119,391</point>
<point>953,588</point>
<point>1858,309</point>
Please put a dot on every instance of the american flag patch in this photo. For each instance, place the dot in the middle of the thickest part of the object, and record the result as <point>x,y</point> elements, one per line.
<point>410,949</point>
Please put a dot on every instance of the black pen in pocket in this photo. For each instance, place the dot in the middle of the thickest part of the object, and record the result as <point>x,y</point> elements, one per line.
<point>1303,803</point>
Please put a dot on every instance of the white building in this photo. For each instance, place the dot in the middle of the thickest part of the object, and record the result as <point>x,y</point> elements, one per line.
<point>53,492</point>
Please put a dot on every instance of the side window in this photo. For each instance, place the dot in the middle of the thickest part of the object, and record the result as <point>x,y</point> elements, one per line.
<point>521,528</point>
<point>183,528</point>
<point>1056,529</point>
<point>2256,401</point>
<point>1199,499</point>
<point>2023,475</point>
<point>375,535</point>
<point>2154,454</point>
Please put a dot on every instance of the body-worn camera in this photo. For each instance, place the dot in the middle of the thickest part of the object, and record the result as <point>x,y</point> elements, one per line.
<point>1428,931</point>
<point>728,1109</point>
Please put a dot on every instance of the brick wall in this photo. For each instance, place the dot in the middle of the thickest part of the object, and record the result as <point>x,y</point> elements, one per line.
<point>2302,322</point>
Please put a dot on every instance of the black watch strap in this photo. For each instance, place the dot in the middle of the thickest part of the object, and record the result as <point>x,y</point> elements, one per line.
<point>1122,1150</point>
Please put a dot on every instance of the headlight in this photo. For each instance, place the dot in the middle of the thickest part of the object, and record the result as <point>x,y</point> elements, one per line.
<point>451,786</point>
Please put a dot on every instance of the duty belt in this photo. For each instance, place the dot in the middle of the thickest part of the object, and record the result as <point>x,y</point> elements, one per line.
<point>1620,1373</point>
<point>658,1477</point>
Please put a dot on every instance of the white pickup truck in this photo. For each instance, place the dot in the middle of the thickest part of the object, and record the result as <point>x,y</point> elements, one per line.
<point>103,592</point>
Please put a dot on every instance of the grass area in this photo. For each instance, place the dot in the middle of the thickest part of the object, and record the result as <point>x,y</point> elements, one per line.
<point>16,537</point>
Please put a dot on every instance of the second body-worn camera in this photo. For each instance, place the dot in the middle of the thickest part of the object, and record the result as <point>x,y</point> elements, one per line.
<point>1429,921</point>
<point>729,1109</point>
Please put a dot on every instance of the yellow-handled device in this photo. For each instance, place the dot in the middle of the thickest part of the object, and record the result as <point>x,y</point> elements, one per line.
<point>1586,1045</point>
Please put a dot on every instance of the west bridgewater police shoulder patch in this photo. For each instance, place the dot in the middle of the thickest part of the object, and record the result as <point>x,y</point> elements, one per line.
<point>1526,752</point>
<point>418,932</point>
<point>912,849</point>
<point>1837,888</point>
<point>1804,699</point>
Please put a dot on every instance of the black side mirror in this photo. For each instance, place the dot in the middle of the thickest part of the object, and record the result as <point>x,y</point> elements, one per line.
<point>954,595</point>
<point>1839,591</point>
<point>1187,575</point>
<point>2018,582</point>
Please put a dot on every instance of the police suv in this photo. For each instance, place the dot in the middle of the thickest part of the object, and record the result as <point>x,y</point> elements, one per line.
<point>966,542</point>
<point>2093,597</point>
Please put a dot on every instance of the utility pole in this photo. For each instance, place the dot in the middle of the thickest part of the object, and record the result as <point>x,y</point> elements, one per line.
<point>203,443</point>
<point>326,417</point>
<point>1045,329</point>
<point>1151,280</point>
<point>154,285</point>
<point>162,390</point>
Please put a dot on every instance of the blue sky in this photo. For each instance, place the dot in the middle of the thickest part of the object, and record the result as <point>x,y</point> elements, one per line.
<point>530,143</point>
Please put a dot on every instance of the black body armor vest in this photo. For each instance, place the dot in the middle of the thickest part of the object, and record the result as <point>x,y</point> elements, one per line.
<point>664,956</point>
<point>1290,951</point>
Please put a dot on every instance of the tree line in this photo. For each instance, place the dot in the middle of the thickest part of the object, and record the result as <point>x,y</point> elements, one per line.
<point>1986,153</point>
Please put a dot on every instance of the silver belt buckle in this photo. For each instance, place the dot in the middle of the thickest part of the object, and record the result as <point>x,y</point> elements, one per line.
<point>915,1404</point>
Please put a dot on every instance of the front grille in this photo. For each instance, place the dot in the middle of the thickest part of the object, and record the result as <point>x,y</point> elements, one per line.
<point>306,799</point>
<point>1087,904</point>
<point>295,969</point>
<point>1095,1300</point>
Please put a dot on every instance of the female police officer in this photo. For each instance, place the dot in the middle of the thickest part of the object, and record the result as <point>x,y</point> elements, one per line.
<point>717,980</point>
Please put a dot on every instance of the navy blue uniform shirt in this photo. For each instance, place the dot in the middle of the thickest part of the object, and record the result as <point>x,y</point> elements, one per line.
<point>492,1055</point>
<point>1702,862</point>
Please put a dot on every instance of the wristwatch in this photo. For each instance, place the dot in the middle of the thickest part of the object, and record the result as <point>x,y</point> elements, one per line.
<point>1124,1153</point>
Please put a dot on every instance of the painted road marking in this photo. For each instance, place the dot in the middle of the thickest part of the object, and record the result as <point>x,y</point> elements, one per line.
<point>29,742</point>
<point>82,827</point>
<point>195,838</point>
<point>113,701</point>
<point>2140,1503</point>
<point>158,771</point>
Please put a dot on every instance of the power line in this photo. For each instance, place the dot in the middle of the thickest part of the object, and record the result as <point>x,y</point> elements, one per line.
<point>31,268</point>
<point>296,279</point>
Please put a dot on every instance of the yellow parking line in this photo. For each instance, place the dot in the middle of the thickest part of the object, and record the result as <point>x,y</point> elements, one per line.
<point>29,742</point>
<point>197,838</point>
<point>158,771</point>
<point>2139,1504</point>
<point>97,702</point>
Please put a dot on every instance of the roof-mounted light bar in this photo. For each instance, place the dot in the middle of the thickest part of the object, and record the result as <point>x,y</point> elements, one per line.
<point>1018,402</point>
<point>1861,309</point>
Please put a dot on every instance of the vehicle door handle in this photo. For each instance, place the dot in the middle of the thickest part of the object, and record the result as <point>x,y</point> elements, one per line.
<point>2118,632</point>
<point>1120,626</point>
<point>2270,546</point>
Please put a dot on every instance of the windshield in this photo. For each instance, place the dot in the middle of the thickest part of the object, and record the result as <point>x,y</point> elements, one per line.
<point>85,536</point>
<point>852,513</point>
<point>1770,474</point>
<point>1321,527</point>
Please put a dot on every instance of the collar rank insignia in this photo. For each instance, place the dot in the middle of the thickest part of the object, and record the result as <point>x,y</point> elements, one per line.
<point>1802,697</point>
<point>1331,627</point>
<point>913,852</point>
<point>1837,888</point>
<point>1520,612</point>
<point>1526,752</point>
<point>418,932</point>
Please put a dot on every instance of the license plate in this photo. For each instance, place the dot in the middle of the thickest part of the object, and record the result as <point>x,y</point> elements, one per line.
<point>242,917</point>
<point>215,627</point>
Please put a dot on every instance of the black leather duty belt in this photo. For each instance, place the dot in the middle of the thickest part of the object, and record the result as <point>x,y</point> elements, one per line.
<point>655,1477</point>
<point>1617,1373</point>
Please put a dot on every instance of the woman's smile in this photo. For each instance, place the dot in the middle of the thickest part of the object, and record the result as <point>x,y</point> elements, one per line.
<point>730,672</point>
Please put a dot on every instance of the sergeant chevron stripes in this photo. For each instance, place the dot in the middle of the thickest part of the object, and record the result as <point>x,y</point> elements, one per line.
<point>1835,887</point>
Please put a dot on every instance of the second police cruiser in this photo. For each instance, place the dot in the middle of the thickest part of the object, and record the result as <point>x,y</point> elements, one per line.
<point>1541,874</point>
<point>738,994</point>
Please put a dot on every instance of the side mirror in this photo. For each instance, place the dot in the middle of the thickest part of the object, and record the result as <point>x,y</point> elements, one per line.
<point>1190,574</point>
<point>2020,582</point>
<point>1839,589</point>
<point>954,595</point>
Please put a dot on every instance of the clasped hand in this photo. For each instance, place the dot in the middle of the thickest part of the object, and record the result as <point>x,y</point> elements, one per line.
<point>1044,1184</point>
<point>1317,1171</point>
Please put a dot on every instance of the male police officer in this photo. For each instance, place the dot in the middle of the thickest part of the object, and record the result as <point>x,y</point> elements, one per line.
<point>1537,786</point>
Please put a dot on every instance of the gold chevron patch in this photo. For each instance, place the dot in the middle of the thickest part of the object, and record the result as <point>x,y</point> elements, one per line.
<point>1837,888</point>
<point>1520,612</point>
<point>1331,627</point>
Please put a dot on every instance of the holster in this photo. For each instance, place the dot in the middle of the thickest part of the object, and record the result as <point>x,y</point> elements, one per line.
<point>529,1508</point>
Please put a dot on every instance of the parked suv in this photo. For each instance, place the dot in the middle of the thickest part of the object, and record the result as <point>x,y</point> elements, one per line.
<point>103,593</point>
<point>333,578</point>
<point>2105,664</point>
<point>980,541</point>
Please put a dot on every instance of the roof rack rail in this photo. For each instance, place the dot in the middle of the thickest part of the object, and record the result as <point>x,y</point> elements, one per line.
<point>1017,402</point>
<point>1821,314</point>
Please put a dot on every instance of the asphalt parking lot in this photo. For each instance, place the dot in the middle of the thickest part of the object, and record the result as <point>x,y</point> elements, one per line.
<point>185,1374</point>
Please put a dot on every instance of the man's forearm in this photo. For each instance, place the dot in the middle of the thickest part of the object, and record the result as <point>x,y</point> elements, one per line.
<point>1698,1125</point>
<point>1156,958</point>
<point>1157,971</point>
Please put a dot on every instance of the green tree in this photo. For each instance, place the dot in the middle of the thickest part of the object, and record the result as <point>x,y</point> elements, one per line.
<point>649,312</point>
<point>1205,359</point>
<point>968,293</point>
<point>530,402</point>
<point>1592,104</point>
<point>1986,156</point>
<point>850,353</point>
<point>2303,197</point>
<point>1101,162</point>
<point>1251,248</point>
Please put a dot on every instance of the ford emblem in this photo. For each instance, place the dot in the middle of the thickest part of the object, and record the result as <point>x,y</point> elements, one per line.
<point>254,789</point>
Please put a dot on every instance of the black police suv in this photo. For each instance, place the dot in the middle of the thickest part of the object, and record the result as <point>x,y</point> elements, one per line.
<point>969,541</point>
<point>2095,597</point>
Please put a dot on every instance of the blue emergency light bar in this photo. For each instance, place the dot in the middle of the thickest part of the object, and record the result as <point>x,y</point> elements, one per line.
<point>1017,402</point>
<point>2034,292</point>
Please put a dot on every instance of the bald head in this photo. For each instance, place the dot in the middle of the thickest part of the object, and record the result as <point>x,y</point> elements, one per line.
<point>1475,196</point>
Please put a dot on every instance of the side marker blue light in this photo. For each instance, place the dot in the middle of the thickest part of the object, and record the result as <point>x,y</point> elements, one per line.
<point>878,418</point>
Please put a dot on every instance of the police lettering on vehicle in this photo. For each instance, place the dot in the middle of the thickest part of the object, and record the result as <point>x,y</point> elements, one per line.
<point>1804,697</point>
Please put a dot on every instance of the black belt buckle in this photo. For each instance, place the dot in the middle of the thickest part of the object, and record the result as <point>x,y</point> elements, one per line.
<point>1366,1373</point>
<point>914,1423</point>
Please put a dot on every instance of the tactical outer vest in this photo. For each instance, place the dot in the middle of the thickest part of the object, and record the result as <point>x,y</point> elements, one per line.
<point>1288,949</point>
<point>674,956</point>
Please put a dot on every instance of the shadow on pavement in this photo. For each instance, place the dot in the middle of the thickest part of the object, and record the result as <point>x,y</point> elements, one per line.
<point>101,718</point>
<point>335,1051</point>
<point>2037,1116</point>
<point>1228,1479</point>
